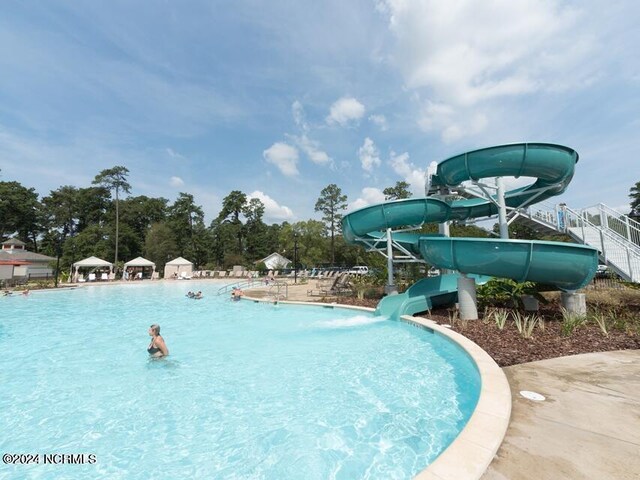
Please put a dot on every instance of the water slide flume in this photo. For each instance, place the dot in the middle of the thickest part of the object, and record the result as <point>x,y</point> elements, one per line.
<point>564,265</point>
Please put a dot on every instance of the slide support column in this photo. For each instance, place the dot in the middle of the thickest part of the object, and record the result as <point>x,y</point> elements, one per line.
<point>443,229</point>
<point>502,209</point>
<point>574,302</point>
<point>467,298</point>
<point>390,288</point>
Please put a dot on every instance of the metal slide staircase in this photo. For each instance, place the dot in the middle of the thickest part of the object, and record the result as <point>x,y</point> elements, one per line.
<point>615,235</point>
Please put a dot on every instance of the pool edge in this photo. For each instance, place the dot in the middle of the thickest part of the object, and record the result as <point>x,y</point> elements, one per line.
<point>469,455</point>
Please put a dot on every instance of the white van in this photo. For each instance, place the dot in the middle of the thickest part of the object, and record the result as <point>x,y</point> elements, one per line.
<point>359,270</point>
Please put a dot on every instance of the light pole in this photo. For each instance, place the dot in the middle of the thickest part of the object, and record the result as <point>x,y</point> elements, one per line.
<point>295,258</point>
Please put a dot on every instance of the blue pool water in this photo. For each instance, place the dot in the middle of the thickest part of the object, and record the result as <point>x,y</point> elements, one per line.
<point>250,390</point>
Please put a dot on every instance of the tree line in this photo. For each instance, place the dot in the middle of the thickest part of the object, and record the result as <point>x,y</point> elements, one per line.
<point>77,222</point>
<point>103,219</point>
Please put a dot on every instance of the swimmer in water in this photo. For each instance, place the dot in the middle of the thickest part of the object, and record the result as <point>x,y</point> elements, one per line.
<point>157,347</point>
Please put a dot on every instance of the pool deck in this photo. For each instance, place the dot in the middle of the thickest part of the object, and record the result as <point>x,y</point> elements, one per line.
<point>587,428</point>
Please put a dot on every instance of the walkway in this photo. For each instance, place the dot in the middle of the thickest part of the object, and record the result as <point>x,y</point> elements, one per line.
<point>588,427</point>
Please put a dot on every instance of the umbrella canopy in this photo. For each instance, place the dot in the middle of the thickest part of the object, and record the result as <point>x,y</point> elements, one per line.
<point>179,261</point>
<point>92,262</point>
<point>178,268</point>
<point>140,262</point>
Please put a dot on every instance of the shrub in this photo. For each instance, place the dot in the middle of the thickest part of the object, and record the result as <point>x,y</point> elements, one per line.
<point>500,316</point>
<point>525,323</point>
<point>503,291</point>
<point>570,321</point>
<point>601,319</point>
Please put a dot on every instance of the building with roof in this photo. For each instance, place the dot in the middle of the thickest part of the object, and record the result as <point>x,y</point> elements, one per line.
<point>35,265</point>
<point>275,261</point>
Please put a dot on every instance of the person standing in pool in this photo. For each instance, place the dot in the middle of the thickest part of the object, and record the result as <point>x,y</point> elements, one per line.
<point>157,347</point>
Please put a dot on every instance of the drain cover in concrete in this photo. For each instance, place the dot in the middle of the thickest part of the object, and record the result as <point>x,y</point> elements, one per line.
<point>536,397</point>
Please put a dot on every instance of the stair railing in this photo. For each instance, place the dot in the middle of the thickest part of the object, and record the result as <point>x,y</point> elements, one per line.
<point>245,284</point>
<point>625,258</point>
<point>617,222</point>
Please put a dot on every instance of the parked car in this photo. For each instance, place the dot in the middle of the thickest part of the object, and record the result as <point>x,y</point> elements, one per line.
<point>359,270</point>
<point>603,271</point>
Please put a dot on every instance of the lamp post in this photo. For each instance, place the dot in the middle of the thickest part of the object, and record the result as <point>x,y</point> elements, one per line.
<point>58,255</point>
<point>295,258</point>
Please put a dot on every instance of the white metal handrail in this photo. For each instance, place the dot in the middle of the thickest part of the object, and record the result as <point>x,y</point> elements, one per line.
<point>617,222</point>
<point>544,212</point>
<point>625,259</point>
<point>245,284</point>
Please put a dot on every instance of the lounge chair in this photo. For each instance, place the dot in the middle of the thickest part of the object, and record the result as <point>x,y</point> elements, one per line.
<point>184,276</point>
<point>81,279</point>
<point>325,287</point>
<point>104,277</point>
<point>92,277</point>
<point>222,273</point>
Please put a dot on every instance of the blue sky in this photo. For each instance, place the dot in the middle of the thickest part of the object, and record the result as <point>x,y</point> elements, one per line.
<point>279,99</point>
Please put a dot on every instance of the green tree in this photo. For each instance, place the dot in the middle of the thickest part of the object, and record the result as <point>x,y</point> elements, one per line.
<point>255,231</point>
<point>19,212</point>
<point>114,179</point>
<point>331,202</point>
<point>92,205</point>
<point>233,205</point>
<point>634,195</point>
<point>141,212</point>
<point>60,209</point>
<point>160,245</point>
<point>398,192</point>
<point>186,220</point>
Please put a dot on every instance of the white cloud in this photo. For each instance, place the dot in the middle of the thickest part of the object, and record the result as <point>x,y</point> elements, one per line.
<point>369,196</point>
<point>272,210</point>
<point>297,111</point>
<point>345,110</point>
<point>452,123</point>
<point>173,154</point>
<point>312,149</point>
<point>369,155</point>
<point>380,121</point>
<point>461,56</point>
<point>283,156</point>
<point>468,52</point>
<point>411,174</point>
<point>176,182</point>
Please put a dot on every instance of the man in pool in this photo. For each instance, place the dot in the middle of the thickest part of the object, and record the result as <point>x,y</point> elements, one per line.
<point>157,347</point>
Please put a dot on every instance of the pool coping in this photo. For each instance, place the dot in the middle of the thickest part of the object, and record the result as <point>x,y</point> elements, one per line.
<point>469,455</point>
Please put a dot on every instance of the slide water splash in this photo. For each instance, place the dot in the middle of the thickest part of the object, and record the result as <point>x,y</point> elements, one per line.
<point>356,321</point>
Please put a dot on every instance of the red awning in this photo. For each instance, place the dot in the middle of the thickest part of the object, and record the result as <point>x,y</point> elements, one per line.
<point>15,263</point>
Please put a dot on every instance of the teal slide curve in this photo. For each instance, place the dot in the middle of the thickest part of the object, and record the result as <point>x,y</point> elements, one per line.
<point>567,266</point>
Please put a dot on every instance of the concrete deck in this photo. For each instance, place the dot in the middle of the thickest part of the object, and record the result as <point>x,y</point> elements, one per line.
<point>587,428</point>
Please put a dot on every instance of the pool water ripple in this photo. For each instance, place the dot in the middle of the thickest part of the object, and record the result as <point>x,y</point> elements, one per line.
<point>249,390</point>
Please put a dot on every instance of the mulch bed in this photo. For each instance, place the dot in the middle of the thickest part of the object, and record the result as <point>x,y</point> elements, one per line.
<point>508,347</point>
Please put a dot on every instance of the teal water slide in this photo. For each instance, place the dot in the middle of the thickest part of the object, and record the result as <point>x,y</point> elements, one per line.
<point>567,266</point>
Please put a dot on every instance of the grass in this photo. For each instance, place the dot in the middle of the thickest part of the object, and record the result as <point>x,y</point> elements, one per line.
<point>500,316</point>
<point>525,323</point>
<point>602,319</point>
<point>571,321</point>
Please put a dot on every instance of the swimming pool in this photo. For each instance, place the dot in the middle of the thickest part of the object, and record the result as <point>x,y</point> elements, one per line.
<point>250,390</point>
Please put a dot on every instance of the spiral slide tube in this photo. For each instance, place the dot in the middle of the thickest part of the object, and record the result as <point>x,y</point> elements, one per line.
<point>565,265</point>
